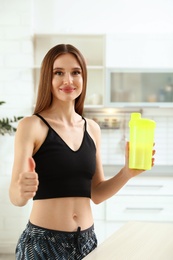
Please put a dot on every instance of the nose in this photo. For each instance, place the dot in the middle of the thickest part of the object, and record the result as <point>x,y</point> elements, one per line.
<point>67,78</point>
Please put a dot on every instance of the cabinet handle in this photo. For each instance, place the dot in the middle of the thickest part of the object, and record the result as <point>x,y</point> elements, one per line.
<point>148,106</point>
<point>144,186</point>
<point>144,209</point>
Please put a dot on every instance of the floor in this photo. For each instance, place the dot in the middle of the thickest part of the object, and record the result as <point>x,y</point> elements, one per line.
<point>7,257</point>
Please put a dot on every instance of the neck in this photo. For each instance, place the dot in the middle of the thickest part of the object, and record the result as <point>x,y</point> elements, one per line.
<point>63,112</point>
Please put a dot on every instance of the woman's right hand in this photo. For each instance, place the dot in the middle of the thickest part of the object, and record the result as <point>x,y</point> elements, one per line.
<point>28,181</point>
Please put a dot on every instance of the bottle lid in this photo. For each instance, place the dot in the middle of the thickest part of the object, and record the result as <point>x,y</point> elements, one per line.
<point>135,116</point>
<point>136,120</point>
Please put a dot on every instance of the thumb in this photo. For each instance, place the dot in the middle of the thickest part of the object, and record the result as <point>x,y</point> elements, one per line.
<point>31,164</point>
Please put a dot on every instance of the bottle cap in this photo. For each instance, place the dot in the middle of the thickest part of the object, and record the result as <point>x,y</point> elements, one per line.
<point>135,116</point>
<point>136,120</point>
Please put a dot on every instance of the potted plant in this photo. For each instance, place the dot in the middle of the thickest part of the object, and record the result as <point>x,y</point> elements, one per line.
<point>6,124</point>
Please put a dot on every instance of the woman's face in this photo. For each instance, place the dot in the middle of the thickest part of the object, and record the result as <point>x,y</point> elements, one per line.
<point>67,78</point>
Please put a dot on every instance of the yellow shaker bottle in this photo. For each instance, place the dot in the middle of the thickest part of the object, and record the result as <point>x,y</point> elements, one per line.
<point>141,142</point>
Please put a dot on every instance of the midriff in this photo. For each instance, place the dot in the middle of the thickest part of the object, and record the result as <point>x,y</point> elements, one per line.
<point>64,214</point>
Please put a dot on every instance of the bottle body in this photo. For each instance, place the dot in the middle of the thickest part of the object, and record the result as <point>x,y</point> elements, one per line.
<point>141,142</point>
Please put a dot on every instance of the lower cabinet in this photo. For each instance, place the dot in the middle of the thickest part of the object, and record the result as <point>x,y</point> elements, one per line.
<point>140,208</point>
<point>141,199</point>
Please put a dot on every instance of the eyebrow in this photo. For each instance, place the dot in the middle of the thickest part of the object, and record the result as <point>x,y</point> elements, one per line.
<point>58,68</point>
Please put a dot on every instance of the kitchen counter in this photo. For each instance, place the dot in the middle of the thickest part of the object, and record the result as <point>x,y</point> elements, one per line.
<point>137,241</point>
<point>157,170</point>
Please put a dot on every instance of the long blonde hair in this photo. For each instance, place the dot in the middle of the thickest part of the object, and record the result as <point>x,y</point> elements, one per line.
<point>44,95</point>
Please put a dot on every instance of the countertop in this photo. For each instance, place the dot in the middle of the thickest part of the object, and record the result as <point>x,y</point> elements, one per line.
<point>157,170</point>
<point>137,241</point>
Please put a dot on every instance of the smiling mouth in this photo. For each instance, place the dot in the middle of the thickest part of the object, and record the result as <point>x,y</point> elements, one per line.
<point>67,89</point>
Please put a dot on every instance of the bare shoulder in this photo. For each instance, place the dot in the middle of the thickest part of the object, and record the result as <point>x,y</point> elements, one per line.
<point>93,129</point>
<point>28,120</point>
<point>28,123</point>
<point>31,126</point>
<point>32,131</point>
<point>92,124</point>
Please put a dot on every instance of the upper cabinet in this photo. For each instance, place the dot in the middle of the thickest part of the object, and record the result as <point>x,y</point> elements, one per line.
<point>134,50</point>
<point>93,49</point>
<point>139,70</point>
<point>139,87</point>
<point>124,70</point>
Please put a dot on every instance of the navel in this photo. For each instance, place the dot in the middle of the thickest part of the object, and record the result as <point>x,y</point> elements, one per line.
<point>74,216</point>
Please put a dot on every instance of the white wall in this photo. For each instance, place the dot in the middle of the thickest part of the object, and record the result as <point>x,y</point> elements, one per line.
<point>16,56</point>
<point>19,19</point>
<point>16,89</point>
<point>103,16</point>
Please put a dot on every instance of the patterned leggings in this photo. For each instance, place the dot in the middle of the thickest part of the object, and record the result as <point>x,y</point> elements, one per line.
<point>37,243</point>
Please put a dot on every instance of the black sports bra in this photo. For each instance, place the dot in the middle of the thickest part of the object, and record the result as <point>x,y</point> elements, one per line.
<point>63,172</point>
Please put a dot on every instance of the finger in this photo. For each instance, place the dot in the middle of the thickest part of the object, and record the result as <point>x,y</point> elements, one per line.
<point>153,152</point>
<point>32,181</point>
<point>28,190</point>
<point>153,160</point>
<point>127,150</point>
<point>29,195</point>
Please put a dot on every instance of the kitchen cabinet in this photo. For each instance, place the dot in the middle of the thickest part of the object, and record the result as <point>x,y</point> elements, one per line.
<point>142,208</point>
<point>139,87</point>
<point>148,199</point>
<point>139,50</point>
<point>93,49</point>
<point>139,70</point>
<point>143,199</point>
<point>123,70</point>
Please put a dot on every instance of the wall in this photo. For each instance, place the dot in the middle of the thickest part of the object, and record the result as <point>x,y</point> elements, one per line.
<point>113,141</point>
<point>103,16</point>
<point>16,89</point>
<point>19,19</point>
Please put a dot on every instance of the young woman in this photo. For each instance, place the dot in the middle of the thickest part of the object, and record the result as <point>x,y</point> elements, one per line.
<point>57,163</point>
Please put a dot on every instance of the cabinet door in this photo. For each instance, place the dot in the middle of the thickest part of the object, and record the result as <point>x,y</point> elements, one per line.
<point>143,69</point>
<point>95,87</point>
<point>142,208</point>
<point>148,186</point>
<point>98,211</point>
<point>139,50</point>
<point>136,87</point>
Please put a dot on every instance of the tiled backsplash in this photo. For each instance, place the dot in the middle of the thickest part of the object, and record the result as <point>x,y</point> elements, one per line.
<point>113,140</point>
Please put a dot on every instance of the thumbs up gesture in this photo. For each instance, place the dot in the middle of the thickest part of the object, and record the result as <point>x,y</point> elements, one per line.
<point>28,181</point>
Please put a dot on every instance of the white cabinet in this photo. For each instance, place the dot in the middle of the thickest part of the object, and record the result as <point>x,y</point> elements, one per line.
<point>139,50</point>
<point>140,87</point>
<point>93,49</point>
<point>98,210</point>
<point>123,70</point>
<point>142,208</point>
<point>139,70</point>
<point>141,199</point>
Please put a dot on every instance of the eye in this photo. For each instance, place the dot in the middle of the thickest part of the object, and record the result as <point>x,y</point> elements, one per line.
<point>58,73</point>
<point>76,72</point>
